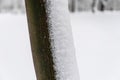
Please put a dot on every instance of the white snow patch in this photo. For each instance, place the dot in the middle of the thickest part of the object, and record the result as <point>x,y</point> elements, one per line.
<point>97,43</point>
<point>15,53</point>
<point>62,43</point>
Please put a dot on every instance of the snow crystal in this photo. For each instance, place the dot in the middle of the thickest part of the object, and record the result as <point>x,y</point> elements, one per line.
<point>62,43</point>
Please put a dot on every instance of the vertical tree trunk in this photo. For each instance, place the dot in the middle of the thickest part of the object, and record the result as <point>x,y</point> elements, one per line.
<point>40,41</point>
<point>72,5</point>
<point>101,6</point>
<point>51,40</point>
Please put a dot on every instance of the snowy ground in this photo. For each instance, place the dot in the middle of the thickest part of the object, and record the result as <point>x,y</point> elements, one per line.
<point>15,53</point>
<point>96,38</point>
<point>97,42</point>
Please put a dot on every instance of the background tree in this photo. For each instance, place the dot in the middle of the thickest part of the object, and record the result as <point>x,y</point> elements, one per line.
<point>72,5</point>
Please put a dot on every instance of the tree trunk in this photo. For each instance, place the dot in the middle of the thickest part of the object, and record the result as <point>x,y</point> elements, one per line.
<point>72,5</point>
<point>51,40</point>
<point>40,41</point>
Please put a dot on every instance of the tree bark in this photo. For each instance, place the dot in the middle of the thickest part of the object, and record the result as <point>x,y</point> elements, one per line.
<point>40,40</point>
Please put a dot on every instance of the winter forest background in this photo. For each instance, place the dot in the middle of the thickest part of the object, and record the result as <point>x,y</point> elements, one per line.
<point>94,5</point>
<point>74,5</point>
<point>12,6</point>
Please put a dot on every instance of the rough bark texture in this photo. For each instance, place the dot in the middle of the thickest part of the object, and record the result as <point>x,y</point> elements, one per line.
<point>40,41</point>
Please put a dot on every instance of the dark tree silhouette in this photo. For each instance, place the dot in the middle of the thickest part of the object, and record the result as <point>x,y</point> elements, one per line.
<point>72,5</point>
<point>101,6</point>
<point>40,41</point>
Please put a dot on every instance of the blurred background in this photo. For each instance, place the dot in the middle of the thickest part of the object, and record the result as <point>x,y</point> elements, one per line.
<point>12,6</point>
<point>94,5</point>
<point>74,5</point>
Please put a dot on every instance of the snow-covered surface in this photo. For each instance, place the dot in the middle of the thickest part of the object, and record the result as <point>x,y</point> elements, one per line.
<point>62,42</point>
<point>97,43</point>
<point>96,38</point>
<point>15,53</point>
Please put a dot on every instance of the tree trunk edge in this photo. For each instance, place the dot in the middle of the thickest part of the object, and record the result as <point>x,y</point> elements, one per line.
<point>39,37</point>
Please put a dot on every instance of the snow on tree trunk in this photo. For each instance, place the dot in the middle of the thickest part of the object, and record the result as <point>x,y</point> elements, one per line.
<point>51,40</point>
<point>61,39</point>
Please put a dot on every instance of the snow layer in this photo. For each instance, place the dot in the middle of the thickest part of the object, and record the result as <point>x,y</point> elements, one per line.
<point>15,53</point>
<point>62,42</point>
<point>97,43</point>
